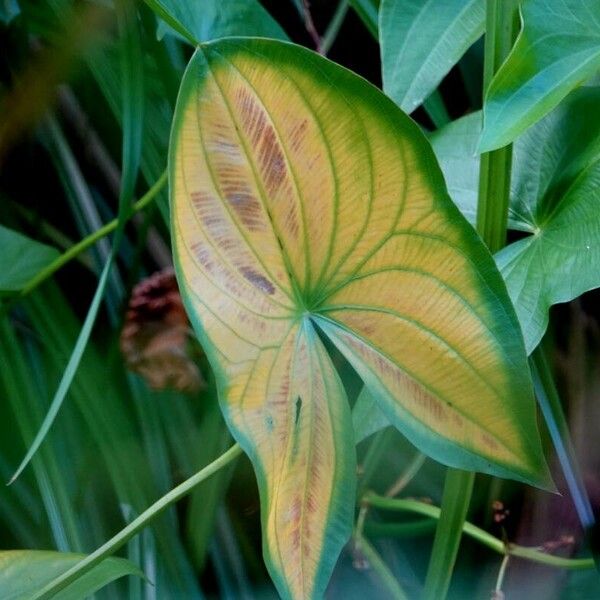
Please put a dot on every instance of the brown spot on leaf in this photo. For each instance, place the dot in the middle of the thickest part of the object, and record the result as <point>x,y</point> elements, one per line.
<point>263,140</point>
<point>489,441</point>
<point>245,205</point>
<point>298,135</point>
<point>272,161</point>
<point>258,280</point>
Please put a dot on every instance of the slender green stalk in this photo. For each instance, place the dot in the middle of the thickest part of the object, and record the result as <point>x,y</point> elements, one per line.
<point>400,530</point>
<point>478,534</point>
<point>91,239</point>
<point>494,174</point>
<point>376,563</point>
<point>121,538</point>
<point>492,218</point>
<point>334,26</point>
<point>407,476</point>
<point>501,574</point>
<point>458,488</point>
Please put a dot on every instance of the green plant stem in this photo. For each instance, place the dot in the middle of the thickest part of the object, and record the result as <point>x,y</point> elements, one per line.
<point>400,530</point>
<point>478,534</point>
<point>492,218</point>
<point>501,575</point>
<point>494,174</point>
<point>376,563</point>
<point>407,476</point>
<point>121,538</point>
<point>458,488</point>
<point>91,239</point>
<point>334,26</point>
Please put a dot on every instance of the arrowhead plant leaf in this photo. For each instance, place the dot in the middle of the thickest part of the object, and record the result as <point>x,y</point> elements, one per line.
<point>557,50</point>
<point>554,199</point>
<point>305,203</point>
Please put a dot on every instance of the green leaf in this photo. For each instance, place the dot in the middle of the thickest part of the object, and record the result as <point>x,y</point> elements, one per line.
<point>368,10</point>
<point>367,418</point>
<point>303,199</point>
<point>455,146</point>
<point>557,50</point>
<point>421,40</point>
<point>23,572</point>
<point>22,259</point>
<point>554,198</point>
<point>199,22</point>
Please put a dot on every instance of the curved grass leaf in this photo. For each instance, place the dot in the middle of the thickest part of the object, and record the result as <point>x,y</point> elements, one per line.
<point>421,40</point>
<point>557,50</point>
<point>133,99</point>
<point>24,572</point>
<point>554,198</point>
<point>302,198</point>
<point>212,19</point>
<point>22,259</point>
<point>368,11</point>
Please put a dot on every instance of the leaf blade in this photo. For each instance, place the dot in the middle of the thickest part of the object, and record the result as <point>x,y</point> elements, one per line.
<point>24,258</point>
<point>269,242</point>
<point>23,572</point>
<point>553,197</point>
<point>421,41</point>
<point>551,57</point>
<point>215,19</point>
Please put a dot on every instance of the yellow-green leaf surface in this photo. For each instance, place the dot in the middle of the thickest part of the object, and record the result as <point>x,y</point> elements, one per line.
<point>305,203</point>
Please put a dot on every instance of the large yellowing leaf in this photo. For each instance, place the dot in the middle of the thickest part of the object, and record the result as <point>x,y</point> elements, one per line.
<point>305,203</point>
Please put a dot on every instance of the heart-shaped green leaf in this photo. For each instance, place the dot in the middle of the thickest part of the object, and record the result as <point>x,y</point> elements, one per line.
<point>24,572</point>
<point>303,199</point>
<point>22,259</point>
<point>557,49</point>
<point>554,198</point>
<point>421,41</point>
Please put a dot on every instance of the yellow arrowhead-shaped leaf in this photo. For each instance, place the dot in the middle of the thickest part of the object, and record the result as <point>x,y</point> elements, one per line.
<point>303,199</point>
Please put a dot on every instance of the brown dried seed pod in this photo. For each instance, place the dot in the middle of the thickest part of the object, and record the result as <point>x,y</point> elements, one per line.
<point>155,336</point>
